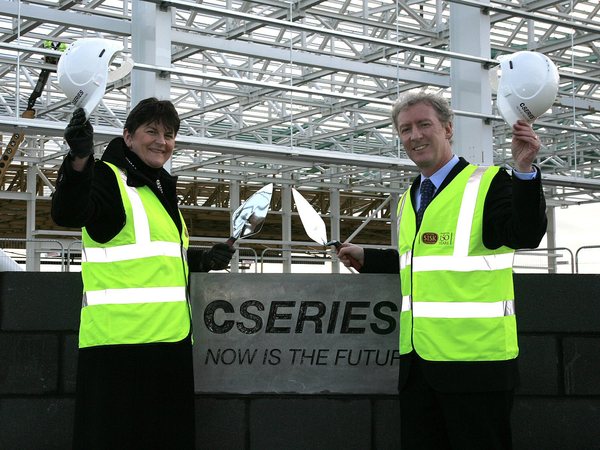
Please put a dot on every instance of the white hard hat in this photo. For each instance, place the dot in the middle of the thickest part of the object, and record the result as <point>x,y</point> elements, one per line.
<point>527,85</point>
<point>83,71</point>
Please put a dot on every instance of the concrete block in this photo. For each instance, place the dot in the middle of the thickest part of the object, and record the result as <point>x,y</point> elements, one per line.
<point>69,363</point>
<point>556,423</point>
<point>581,365</point>
<point>557,303</point>
<point>538,365</point>
<point>36,423</point>
<point>40,301</point>
<point>29,363</point>
<point>386,415</point>
<point>221,423</point>
<point>310,424</point>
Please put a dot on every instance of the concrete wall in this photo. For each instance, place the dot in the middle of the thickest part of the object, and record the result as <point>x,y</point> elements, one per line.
<point>557,406</point>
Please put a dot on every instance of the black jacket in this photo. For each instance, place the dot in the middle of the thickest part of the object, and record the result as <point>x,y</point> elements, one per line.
<point>91,198</point>
<point>514,215</point>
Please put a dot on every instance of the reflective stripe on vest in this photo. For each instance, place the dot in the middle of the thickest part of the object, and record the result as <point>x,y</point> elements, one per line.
<point>464,309</point>
<point>135,285</point>
<point>134,295</point>
<point>462,263</point>
<point>457,296</point>
<point>131,251</point>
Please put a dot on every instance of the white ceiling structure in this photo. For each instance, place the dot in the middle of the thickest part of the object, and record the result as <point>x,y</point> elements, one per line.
<point>299,92</point>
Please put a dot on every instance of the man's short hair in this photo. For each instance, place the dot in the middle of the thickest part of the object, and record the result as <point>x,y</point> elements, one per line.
<point>436,101</point>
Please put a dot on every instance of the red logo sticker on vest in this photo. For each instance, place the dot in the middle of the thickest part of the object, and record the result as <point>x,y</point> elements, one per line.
<point>429,238</point>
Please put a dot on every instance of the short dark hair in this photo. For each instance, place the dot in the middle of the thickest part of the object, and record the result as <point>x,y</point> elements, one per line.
<point>153,110</point>
<point>436,101</point>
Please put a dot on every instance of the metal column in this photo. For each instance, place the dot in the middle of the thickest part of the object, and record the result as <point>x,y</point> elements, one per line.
<point>234,202</point>
<point>150,44</point>
<point>334,209</point>
<point>32,262</point>
<point>551,239</point>
<point>286,227</point>
<point>469,82</point>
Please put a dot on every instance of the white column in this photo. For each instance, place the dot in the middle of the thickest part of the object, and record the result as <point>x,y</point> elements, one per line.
<point>150,44</point>
<point>471,91</point>
<point>234,202</point>
<point>334,209</point>
<point>32,262</point>
<point>551,238</point>
<point>394,220</point>
<point>286,227</point>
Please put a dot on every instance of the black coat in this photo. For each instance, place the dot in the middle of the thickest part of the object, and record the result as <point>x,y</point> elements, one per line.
<point>91,198</point>
<point>128,396</point>
<point>514,215</point>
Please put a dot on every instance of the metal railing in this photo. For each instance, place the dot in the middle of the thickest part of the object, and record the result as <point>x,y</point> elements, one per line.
<point>588,264</point>
<point>50,255</point>
<point>73,255</point>
<point>301,260</point>
<point>544,260</point>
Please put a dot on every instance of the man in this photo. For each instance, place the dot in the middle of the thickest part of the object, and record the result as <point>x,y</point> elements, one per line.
<point>458,338</point>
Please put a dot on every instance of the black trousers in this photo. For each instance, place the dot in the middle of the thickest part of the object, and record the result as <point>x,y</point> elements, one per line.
<point>133,397</point>
<point>435,420</point>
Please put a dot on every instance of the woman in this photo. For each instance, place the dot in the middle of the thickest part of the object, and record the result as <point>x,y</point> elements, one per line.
<point>135,385</point>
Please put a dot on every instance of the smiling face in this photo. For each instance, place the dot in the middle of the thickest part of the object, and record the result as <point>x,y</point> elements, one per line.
<point>152,142</point>
<point>424,137</point>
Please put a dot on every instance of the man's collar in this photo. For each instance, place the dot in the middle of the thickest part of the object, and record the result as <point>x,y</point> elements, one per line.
<point>438,177</point>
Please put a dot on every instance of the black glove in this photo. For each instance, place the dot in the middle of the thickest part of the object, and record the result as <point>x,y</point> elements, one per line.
<point>218,257</point>
<point>79,134</point>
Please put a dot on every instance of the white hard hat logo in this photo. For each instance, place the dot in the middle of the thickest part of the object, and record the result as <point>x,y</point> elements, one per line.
<point>526,111</point>
<point>83,71</point>
<point>78,97</point>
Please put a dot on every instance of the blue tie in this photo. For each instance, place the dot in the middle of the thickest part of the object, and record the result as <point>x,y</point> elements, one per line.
<point>426,190</point>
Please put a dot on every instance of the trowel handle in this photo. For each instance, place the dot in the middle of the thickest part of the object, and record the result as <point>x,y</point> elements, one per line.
<point>353,262</point>
<point>231,241</point>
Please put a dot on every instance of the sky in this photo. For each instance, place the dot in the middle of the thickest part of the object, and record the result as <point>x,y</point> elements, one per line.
<point>577,226</point>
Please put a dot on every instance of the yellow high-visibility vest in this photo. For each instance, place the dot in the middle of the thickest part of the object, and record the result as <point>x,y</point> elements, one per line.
<point>457,295</point>
<point>135,285</point>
